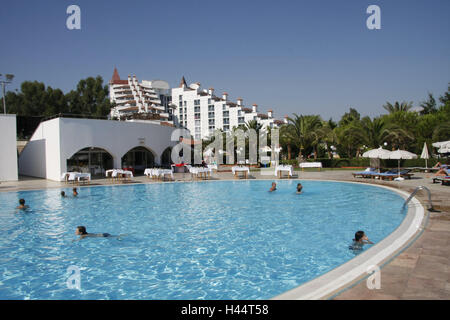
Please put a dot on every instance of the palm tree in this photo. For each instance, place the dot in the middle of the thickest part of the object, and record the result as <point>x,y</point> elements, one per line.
<point>304,132</point>
<point>403,106</point>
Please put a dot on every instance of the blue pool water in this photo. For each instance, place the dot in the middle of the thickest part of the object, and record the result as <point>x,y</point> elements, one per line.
<point>213,240</point>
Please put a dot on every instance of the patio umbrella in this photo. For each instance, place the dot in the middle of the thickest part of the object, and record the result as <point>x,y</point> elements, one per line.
<point>401,154</point>
<point>425,154</point>
<point>444,146</point>
<point>379,153</point>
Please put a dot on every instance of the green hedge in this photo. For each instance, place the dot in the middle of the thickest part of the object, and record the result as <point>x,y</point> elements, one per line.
<point>364,162</point>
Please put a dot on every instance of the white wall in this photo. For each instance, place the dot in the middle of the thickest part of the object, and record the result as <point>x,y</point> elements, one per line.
<point>8,148</point>
<point>57,140</point>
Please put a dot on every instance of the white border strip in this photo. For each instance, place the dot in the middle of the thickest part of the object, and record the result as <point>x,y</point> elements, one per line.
<point>343,275</point>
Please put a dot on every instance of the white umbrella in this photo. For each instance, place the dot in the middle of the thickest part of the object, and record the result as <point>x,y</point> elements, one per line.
<point>425,154</point>
<point>401,154</point>
<point>379,153</point>
<point>444,146</point>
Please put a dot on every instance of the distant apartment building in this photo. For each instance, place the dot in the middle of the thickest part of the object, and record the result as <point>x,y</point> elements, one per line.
<point>145,101</point>
<point>202,112</point>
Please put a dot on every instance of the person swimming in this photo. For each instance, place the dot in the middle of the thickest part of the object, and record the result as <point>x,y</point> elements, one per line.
<point>63,194</point>
<point>74,192</point>
<point>299,188</point>
<point>22,205</point>
<point>360,240</point>
<point>274,187</point>
<point>81,231</point>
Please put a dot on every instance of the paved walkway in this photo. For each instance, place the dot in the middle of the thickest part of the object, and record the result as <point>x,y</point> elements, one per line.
<point>421,271</point>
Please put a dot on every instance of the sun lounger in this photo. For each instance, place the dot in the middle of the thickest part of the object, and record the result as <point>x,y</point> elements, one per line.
<point>365,174</point>
<point>392,174</point>
<point>444,180</point>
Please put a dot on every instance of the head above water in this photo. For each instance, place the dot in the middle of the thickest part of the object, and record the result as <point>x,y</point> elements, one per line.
<point>22,201</point>
<point>63,194</point>
<point>81,230</point>
<point>359,235</point>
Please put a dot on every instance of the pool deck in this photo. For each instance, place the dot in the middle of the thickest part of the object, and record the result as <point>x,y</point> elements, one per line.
<point>420,271</point>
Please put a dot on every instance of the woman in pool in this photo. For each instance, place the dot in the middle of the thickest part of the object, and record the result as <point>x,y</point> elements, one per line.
<point>81,231</point>
<point>75,192</point>
<point>22,205</point>
<point>360,240</point>
<point>274,187</point>
<point>299,188</point>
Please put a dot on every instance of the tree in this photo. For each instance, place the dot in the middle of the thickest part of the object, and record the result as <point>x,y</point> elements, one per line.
<point>304,132</point>
<point>90,98</point>
<point>391,108</point>
<point>429,106</point>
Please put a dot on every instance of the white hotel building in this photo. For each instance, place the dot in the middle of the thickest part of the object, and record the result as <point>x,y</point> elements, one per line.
<point>147,100</point>
<point>201,112</point>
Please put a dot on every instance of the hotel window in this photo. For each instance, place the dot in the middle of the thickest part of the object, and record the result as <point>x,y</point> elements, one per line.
<point>211,108</point>
<point>239,112</point>
<point>180,97</point>
<point>224,107</point>
<point>197,102</point>
<point>185,110</point>
<point>197,122</point>
<point>210,115</point>
<point>181,117</point>
<point>185,124</point>
<point>198,136</point>
<point>226,128</point>
<point>185,103</point>
<point>196,109</point>
<point>209,101</point>
<point>226,114</point>
<point>197,116</point>
<point>211,121</point>
<point>226,121</point>
<point>241,120</point>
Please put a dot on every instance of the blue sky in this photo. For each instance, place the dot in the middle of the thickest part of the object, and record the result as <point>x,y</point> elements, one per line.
<point>305,56</point>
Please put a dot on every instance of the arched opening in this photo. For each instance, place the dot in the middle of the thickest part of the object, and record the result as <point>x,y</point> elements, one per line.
<point>90,160</point>
<point>166,157</point>
<point>138,159</point>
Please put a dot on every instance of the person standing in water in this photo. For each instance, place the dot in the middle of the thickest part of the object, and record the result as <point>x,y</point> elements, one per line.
<point>274,187</point>
<point>22,205</point>
<point>74,192</point>
<point>299,188</point>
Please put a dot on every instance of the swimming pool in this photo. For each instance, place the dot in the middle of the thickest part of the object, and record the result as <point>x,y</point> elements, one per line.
<point>213,240</point>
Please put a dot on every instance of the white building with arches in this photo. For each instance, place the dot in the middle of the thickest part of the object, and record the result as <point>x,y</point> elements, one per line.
<point>70,144</point>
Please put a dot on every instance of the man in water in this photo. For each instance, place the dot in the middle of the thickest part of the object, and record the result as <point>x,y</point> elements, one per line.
<point>299,188</point>
<point>360,240</point>
<point>63,194</point>
<point>22,205</point>
<point>274,187</point>
<point>81,231</point>
<point>75,192</point>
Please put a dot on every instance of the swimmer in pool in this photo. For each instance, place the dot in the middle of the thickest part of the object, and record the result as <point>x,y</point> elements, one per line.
<point>274,187</point>
<point>299,188</point>
<point>81,231</point>
<point>22,205</point>
<point>360,240</point>
<point>75,192</point>
<point>63,194</point>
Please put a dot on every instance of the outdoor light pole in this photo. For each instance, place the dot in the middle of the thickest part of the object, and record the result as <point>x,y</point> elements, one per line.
<point>8,79</point>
